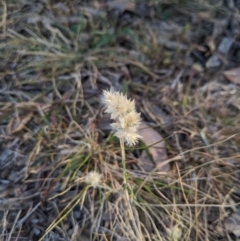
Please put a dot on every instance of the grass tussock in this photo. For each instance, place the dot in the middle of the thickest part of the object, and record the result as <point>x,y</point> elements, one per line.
<point>61,175</point>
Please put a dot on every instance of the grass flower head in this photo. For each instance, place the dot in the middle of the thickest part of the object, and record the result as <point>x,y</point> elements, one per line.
<point>93,178</point>
<point>123,111</point>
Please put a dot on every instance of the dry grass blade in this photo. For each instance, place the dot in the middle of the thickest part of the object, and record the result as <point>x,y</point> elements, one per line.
<point>4,16</point>
<point>18,125</point>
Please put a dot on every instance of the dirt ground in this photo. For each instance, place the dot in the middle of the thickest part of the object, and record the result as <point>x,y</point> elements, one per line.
<point>179,60</point>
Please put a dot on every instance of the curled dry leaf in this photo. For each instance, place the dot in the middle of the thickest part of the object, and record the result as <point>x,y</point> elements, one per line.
<point>233,75</point>
<point>157,152</point>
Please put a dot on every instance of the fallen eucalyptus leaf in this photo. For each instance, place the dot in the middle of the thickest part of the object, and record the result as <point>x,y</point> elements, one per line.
<point>156,154</point>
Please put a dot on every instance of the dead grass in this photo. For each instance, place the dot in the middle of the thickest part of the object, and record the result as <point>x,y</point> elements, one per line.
<point>55,60</point>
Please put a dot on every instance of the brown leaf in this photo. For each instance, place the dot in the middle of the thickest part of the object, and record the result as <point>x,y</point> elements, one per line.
<point>18,126</point>
<point>157,151</point>
<point>233,75</point>
<point>122,5</point>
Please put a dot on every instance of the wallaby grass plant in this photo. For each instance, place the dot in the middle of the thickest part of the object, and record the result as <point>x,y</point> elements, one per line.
<point>127,120</point>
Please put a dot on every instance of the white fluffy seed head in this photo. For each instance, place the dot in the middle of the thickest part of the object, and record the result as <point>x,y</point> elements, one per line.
<point>123,111</point>
<point>130,138</point>
<point>93,178</point>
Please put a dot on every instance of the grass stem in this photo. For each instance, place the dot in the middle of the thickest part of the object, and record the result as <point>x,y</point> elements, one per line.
<point>123,161</point>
